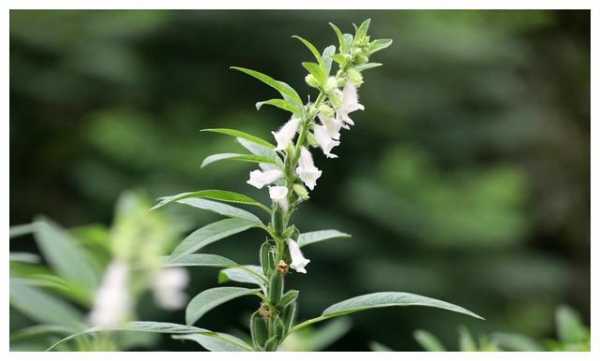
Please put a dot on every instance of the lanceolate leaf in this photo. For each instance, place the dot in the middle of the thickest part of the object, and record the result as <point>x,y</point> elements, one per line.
<point>379,44</point>
<point>284,89</point>
<point>316,70</point>
<point>43,307</point>
<point>24,257</point>
<point>220,208</point>
<point>340,36</point>
<point>209,234</point>
<point>258,149</point>
<point>65,255</point>
<point>217,342</point>
<point>281,104</point>
<point>367,66</point>
<point>383,299</point>
<point>211,298</point>
<point>327,59</point>
<point>235,156</point>
<point>317,236</point>
<point>239,134</point>
<point>244,274</point>
<point>218,195</point>
<point>200,260</point>
<point>310,47</point>
<point>428,341</point>
<point>140,326</point>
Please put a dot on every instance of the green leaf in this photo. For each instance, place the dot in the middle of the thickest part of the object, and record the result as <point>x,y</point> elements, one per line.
<point>327,59</point>
<point>221,208</point>
<point>286,91</point>
<point>217,342</point>
<point>310,47</point>
<point>317,71</point>
<point>362,30</point>
<point>317,236</point>
<point>367,66</point>
<point>211,298</point>
<point>239,134</point>
<point>218,195</point>
<point>209,234</point>
<point>465,340</point>
<point>281,104</point>
<point>65,255</point>
<point>383,299</point>
<point>243,274</point>
<point>37,330</point>
<point>379,44</point>
<point>24,257</point>
<point>199,260</point>
<point>516,342</point>
<point>569,326</point>
<point>340,36</point>
<point>139,326</point>
<point>42,307</point>
<point>428,341</point>
<point>379,347</point>
<point>22,229</point>
<point>321,338</point>
<point>235,156</point>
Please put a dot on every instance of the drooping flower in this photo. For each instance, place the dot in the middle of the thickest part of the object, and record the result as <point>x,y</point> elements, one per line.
<point>349,104</point>
<point>306,169</point>
<point>168,285</point>
<point>325,141</point>
<point>279,195</point>
<point>286,133</point>
<point>298,261</point>
<point>113,302</point>
<point>332,124</point>
<point>260,178</point>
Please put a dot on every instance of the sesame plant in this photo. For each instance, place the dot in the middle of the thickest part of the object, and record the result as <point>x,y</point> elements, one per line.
<point>287,172</point>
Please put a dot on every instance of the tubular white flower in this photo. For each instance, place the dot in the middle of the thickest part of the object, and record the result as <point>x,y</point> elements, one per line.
<point>349,104</point>
<point>298,261</point>
<point>260,179</point>
<point>333,125</point>
<point>325,141</point>
<point>286,133</point>
<point>279,195</point>
<point>113,303</point>
<point>306,169</point>
<point>168,285</point>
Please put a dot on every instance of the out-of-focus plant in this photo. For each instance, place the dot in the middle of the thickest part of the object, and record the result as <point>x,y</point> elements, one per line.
<point>288,171</point>
<point>572,334</point>
<point>92,276</point>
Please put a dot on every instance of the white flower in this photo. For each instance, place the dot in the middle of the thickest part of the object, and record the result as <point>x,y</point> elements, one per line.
<point>260,179</point>
<point>168,285</point>
<point>298,260</point>
<point>113,302</point>
<point>333,125</point>
<point>279,195</point>
<point>325,141</point>
<point>306,169</point>
<point>349,104</point>
<point>286,133</point>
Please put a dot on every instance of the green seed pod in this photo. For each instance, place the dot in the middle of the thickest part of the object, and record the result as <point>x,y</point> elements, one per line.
<point>289,315</point>
<point>276,288</point>
<point>259,330</point>
<point>272,343</point>
<point>265,249</point>
<point>280,329</point>
<point>277,221</point>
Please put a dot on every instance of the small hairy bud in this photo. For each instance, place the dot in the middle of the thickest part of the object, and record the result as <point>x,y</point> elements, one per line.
<point>282,267</point>
<point>355,77</point>
<point>331,84</point>
<point>326,110</point>
<point>265,311</point>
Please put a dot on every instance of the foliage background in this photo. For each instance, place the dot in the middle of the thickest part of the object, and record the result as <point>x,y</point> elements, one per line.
<point>466,178</point>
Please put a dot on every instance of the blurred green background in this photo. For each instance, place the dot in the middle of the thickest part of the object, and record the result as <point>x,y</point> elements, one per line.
<point>466,178</point>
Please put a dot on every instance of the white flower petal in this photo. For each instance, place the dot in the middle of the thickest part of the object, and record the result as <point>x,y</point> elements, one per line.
<point>306,169</point>
<point>333,126</point>
<point>286,133</point>
<point>168,285</point>
<point>349,104</point>
<point>260,179</point>
<point>298,261</point>
<point>279,195</point>
<point>325,141</point>
<point>112,304</point>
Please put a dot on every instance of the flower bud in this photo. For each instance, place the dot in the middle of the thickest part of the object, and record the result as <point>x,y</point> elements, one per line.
<point>362,59</point>
<point>355,77</point>
<point>301,191</point>
<point>311,81</point>
<point>265,311</point>
<point>282,267</point>
<point>336,98</point>
<point>326,110</point>
<point>331,84</point>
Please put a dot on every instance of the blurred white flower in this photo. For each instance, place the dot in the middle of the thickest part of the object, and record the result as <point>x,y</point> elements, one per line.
<point>260,179</point>
<point>286,133</point>
<point>298,260</point>
<point>279,195</point>
<point>306,169</point>
<point>333,125</point>
<point>168,285</point>
<point>325,141</point>
<point>349,104</point>
<point>113,302</point>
